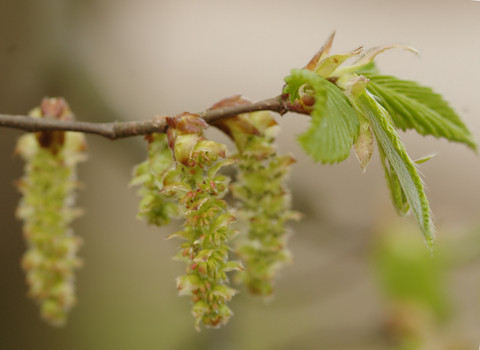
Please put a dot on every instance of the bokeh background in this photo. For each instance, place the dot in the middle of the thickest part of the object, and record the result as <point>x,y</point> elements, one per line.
<point>361,277</point>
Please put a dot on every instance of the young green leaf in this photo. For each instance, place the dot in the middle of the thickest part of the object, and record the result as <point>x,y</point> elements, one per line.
<point>328,65</point>
<point>397,194</point>
<point>416,107</point>
<point>402,169</point>
<point>334,127</point>
<point>299,77</point>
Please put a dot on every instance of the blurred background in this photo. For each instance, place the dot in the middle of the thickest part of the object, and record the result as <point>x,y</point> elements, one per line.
<point>361,278</point>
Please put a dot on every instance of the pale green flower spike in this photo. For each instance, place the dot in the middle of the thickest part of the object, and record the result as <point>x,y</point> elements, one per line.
<point>199,189</point>
<point>264,199</point>
<point>349,105</point>
<point>158,208</point>
<point>46,209</point>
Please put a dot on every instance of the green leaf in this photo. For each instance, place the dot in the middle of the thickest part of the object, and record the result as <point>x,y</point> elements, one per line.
<point>417,107</point>
<point>401,172</point>
<point>334,127</point>
<point>333,130</point>
<point>294,81</point>
<point>397,194</point>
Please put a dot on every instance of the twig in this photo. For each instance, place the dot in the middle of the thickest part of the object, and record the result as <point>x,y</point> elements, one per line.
<point>117,130</point>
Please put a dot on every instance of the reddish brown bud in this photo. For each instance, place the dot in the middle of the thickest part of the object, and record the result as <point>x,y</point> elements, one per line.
<point>55,108</point>
<point>308,100</point>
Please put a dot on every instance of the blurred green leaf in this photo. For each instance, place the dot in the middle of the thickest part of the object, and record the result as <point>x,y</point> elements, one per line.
<point>408,273</point>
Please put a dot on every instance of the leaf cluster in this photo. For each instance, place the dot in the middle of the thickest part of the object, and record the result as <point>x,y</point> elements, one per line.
<point>353,105</point>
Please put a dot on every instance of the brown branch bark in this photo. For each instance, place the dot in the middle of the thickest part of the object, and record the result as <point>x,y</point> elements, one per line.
<point>117,130</point>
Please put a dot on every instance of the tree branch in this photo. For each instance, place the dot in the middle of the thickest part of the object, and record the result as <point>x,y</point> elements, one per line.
<point>117,130</point>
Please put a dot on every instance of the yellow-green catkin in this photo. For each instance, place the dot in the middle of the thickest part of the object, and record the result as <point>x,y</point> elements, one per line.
<point>156,207</point>
<point>207,219</point>
<point>264,198</point>
<point>47,209</point>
